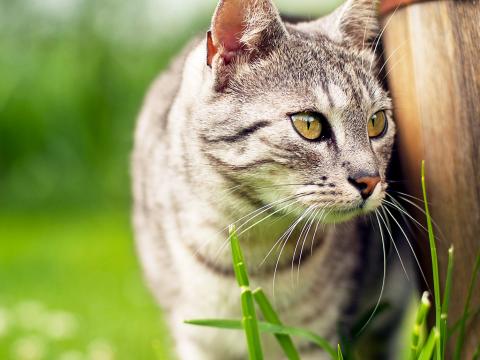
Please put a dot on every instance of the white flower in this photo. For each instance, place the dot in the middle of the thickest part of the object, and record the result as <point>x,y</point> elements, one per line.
<point>60,325</point>
<point>72,355</point>
<point>30,314</point>
<point>29,348</point>
<point>5,322</point>
<point>100,350</point>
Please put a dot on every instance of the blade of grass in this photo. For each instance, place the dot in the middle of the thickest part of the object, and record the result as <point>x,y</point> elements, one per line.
<point>430,345</point>
<point>237,257</point>
<point>455,327</point>
<point>340,355</point>
<point>250,325</point>
<point>433,251</point>
<point>249,320</point>
<point>446,301</point>
<point>266,327</point>
<point>422,312</point>
<point>476,355</point>
<point>271,316</point>
<point>217,323</point>
<point>463,321</point>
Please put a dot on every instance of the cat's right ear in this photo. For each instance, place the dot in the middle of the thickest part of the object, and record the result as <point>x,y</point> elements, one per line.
<point>241,31</point>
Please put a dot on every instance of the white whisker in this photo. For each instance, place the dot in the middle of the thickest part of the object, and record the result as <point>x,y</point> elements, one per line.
<point>315,213</point>
<point>389,57</point>
<point>292,228</point>
<point>411,247</point>
<point>383,278</point>
<point>437,227</point>
<point>393,242</point>
<point>381,34</point>
<point>311,211</point>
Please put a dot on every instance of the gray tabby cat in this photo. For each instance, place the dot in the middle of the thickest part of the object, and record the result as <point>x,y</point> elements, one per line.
<point>282,129</point>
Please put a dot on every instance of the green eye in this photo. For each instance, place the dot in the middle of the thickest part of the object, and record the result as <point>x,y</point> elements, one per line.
<point>308,125</point>
<point>377,125</point>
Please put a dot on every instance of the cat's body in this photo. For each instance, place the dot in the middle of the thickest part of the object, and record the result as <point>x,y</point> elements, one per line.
<point>214,143</point>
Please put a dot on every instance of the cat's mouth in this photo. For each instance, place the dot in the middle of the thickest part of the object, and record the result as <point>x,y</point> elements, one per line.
<point>345,214</point>
<point>336,214</point>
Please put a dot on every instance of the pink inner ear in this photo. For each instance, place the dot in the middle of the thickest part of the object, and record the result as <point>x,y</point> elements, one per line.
<point>229,36</point>
<point>228,27</point>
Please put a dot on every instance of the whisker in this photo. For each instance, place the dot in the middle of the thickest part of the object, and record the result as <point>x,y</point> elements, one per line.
<point>381,34</point>
<point>225,243</point>
<point>315,213</point>
<point>393,242</point>
<point>278,241</point>
<point>393,67</point>
<point>264,208</point>
<point>311,211</point>
<point>395,206</point>
<point>411,248</point>
<point>437,227</point>
<point>408,195</point>
<point>266,217</point>
<point>283,247</point>
<point>383,278</point>
<point>316,227</point>
<point>390,56</point>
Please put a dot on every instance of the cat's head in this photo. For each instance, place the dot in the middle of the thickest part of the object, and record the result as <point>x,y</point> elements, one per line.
<point>297,109</point>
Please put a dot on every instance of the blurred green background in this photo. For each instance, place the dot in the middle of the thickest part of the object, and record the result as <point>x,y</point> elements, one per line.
<point>72,77</point>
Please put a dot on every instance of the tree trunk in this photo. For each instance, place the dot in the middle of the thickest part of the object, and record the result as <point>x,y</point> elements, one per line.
<point>433,52</point>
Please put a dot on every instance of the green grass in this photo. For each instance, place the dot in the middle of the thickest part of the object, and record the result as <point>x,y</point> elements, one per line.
<point>82,264</point>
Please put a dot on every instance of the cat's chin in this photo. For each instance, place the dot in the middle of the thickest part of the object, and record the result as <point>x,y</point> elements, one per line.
<point>339,216</point>
<point>336,216</point>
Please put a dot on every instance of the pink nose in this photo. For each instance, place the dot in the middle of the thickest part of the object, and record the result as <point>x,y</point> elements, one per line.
<point>366,185</point>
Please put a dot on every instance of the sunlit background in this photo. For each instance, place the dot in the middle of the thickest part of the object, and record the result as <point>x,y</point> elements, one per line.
<point>72,77</point>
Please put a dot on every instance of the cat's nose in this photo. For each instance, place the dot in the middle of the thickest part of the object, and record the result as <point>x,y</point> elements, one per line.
<point>365,184</point>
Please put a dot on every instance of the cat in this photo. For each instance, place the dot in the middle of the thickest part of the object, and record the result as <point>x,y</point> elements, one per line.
<point>283,129</point>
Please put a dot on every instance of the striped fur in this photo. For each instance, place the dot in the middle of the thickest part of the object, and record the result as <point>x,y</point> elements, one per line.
<point>213,144</point>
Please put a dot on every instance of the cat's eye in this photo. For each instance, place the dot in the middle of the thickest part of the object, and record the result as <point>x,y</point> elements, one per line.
<point>377,125</point>
<point>309,125</point>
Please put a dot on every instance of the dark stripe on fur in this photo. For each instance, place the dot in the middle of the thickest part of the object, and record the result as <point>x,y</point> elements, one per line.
<point>239,136</point>
<point>216,161</point>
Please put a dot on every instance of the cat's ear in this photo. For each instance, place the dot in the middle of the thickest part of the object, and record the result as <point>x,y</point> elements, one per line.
<point>242,30</point>
<point>358,23</point>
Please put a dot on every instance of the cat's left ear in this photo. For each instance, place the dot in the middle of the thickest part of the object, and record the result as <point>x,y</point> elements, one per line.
<point>358,22</point>
<point>242,30</point>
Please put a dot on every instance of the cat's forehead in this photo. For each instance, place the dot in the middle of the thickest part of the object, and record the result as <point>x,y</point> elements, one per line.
<point>315,70</point>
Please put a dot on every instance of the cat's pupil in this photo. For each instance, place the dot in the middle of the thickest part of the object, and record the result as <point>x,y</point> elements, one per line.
<point>308,124</point>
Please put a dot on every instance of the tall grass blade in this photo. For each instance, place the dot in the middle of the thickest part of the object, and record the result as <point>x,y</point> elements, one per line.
<point>271,316</point>
<point>430,345</point>
<point>446,302</point>
<point>433,251</point>
<point>217,323</point>
<point>422,312</point>
<point>266,327</point>
<point>455,327</point>
<point>249,320</point>
<point>463,321</point>
<point>476,354</point>
<point>250,325</point>
<point>340,355</point>
<point>237,257</point>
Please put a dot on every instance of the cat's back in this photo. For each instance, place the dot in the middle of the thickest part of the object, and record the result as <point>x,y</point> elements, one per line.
<point>159,99</point>
<point>149,164</point>
<point>151,138</point>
